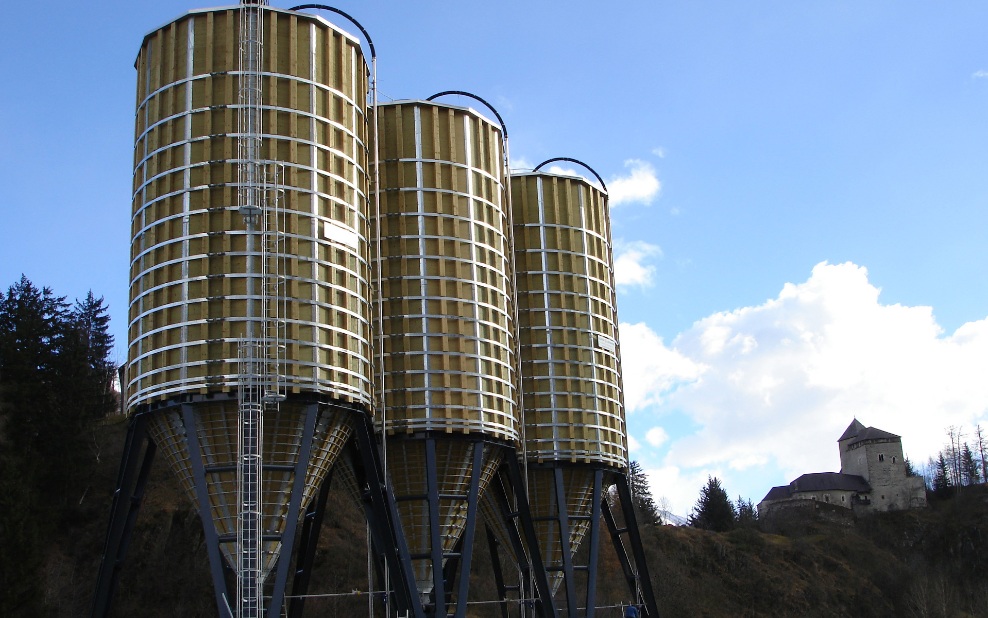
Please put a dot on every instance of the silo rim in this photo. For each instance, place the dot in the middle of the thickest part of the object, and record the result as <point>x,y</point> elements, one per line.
<point>227,7</point>
<point>575,175</point>
<point>467,109</point>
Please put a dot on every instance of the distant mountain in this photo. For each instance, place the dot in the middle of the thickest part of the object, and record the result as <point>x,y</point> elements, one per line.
<point>671,519</point>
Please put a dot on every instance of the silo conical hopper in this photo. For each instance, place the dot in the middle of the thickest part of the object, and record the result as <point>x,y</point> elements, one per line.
<point>448,360</point>
<point>190,293</point>
<point>570,360</point>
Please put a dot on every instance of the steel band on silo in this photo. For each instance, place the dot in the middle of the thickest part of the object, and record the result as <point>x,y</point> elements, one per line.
<point>445,287</point>
<point>188,277</point>
<point>188,258</point>
<point>567,322</point>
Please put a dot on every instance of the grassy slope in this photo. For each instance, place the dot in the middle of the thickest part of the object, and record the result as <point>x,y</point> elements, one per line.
<point>927,563</point>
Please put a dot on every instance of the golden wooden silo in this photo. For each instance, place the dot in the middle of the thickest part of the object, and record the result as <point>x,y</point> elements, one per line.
<point>448,342</point>
<point>191,296</point>
<point>570,354</point>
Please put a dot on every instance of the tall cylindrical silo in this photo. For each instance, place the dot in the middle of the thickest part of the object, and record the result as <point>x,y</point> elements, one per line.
<point>196,280</point>
<point>570,356</point>
<point>447,326</point>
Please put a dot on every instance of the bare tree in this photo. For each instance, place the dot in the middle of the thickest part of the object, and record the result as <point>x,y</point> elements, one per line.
<point>981,450</point>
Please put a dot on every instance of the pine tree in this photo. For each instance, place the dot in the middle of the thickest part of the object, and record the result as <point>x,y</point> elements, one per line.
<point>747,512</point>
<point>55,381</point>
<point>941,475</point>
<point>969,466</point>
<point>713,510</point>
<point>645,509</point>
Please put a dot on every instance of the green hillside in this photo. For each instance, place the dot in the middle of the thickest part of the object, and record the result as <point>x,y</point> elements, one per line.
<point>923,563</point>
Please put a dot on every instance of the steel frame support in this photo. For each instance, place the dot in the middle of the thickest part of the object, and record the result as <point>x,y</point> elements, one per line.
<point>131,482</point>
<point>534,566</point>
<point>594,548</point>
<point>466,541</point>
<point>502,590</point>
<point>381,513</point>
<point>294,509</point>
<point>311,527</point>
<point>208,526</point>
<point>562,520</point>
<point>637,575</point>
<point>435,532</point>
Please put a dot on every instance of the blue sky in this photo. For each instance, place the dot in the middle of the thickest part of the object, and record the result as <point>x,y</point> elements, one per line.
<point>798,189</point>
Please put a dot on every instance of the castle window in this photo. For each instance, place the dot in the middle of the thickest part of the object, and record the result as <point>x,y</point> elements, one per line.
<point>893,458</point>
<point>842,498</point>
<point>881,457</point>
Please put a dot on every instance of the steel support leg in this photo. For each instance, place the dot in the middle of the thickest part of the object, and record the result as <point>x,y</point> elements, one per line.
<point>638,579</point>
<point>205,514</point>
<point>502,591</point>
<point>466,553</point>
<point>131,481</point>
<point>435,532</point>
<point>562,515</point>
<point>598,477</point>
<point>294,509</point>
<point>382,515</point>
<point>311,527</point>
<point>546,607</point>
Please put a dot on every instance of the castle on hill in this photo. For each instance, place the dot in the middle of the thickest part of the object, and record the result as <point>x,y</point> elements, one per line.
<point>872,477</point>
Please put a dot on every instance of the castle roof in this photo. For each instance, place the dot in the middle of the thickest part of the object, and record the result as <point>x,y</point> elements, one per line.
<point>852,430</point>
<point>819,481</point>
<point>782,492</point>
<point>856,432</point>
<point>830,481</point>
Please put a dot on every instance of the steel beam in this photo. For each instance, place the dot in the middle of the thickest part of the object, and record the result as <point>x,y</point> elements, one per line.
<point>131,482</point>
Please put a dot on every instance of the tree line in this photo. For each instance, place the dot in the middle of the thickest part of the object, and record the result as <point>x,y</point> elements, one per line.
<point>960,462</point>
<point>714,510</point>
<point>56,382</point>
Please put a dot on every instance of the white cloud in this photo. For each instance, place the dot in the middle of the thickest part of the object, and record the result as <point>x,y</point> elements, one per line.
<point>633,444</point>
<point>660,152</point>
<point>641,185</point>
<point>521,164</point>
<point>656,436</point>
<point>630,263</point>
<point>650,369</point>
<point>771,387</point>
<point>980,74</point>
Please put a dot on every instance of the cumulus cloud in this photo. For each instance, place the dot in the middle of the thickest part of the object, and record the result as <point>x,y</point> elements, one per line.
<point>521,164</point>
<point>651,370</point>
<point>641,184</point>
<point>771,387</point>
<point>656,436</point>
<point>631,265</point>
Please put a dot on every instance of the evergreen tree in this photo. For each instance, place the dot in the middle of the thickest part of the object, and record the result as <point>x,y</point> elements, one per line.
<point>747,512</point>
<point>713,510</point>
<point>55,381</point>
<point>969,466</point>
<point>941,475</point>
<point>645,509</point>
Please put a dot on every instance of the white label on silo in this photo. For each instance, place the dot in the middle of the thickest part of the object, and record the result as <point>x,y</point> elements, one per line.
<point>606,342</point>
<point>339,233</point>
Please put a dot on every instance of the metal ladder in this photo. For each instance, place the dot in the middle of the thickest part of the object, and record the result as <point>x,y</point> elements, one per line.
<point>250,426</point>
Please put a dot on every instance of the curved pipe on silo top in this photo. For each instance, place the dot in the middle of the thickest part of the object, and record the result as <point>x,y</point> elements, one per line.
<point>189,278</point>
<point>570,355</point>
<point>447,319</point>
